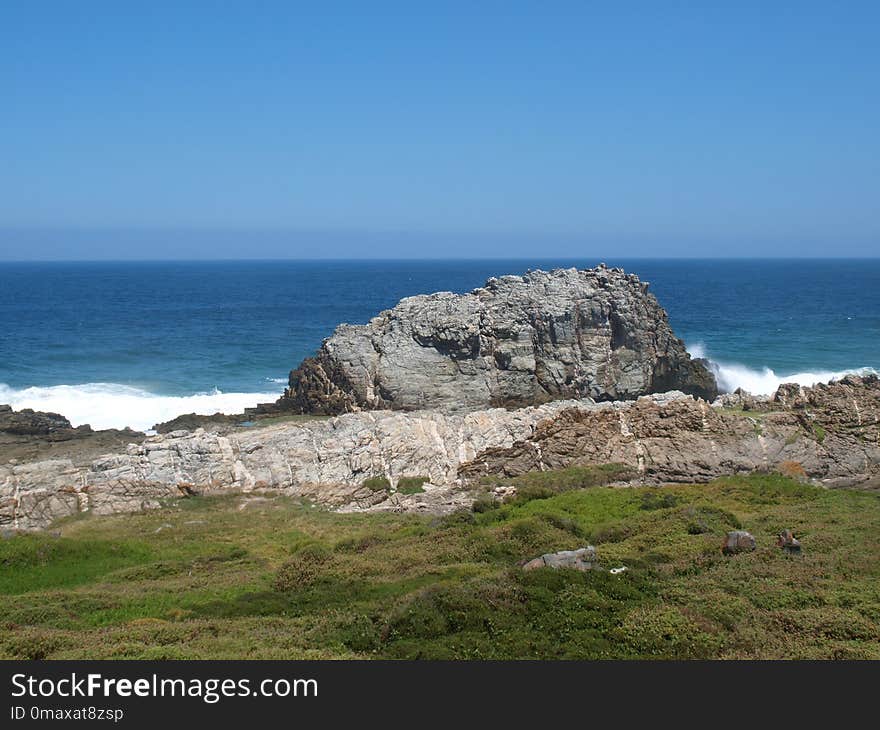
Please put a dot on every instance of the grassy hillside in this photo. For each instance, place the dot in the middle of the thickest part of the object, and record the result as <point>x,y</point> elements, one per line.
<point>241,577</point>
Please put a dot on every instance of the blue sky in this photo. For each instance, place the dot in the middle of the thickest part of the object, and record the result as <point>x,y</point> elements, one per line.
<point>263,129</point>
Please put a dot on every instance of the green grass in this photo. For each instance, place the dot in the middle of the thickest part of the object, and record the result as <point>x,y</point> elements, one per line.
<point>281,579</point>
<point>411,485</point>
<point>544,484</point>
<point>377,484</point>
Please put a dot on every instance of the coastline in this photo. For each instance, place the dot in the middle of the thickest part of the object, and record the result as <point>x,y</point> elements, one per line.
<point>141,410</point>
<point>826,435</point>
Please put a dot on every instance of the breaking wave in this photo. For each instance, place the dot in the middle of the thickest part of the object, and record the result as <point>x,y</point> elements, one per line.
<point>110,405</point>
<point>765,381</point>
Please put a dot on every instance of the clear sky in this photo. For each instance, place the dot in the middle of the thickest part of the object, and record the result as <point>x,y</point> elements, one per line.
<point>284,129</point>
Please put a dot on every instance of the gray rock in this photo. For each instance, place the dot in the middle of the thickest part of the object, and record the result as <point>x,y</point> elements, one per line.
<point>789,543</point>
<point>28,422</point>
<point>517,341</point>
<point>582,559</point>
<point>738,541</point>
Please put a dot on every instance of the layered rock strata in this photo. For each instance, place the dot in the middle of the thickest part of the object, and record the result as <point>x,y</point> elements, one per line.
<point>830,433</point>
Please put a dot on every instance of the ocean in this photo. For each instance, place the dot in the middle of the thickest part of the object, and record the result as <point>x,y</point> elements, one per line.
<point>132,344</point>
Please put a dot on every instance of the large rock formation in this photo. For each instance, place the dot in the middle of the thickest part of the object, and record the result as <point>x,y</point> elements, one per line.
<point>517,341</point>
<point>829,433</point>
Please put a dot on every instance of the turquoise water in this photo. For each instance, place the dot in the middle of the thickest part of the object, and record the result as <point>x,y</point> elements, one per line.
<point>125,343</point>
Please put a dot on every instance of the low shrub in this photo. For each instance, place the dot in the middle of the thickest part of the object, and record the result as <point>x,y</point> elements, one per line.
<point>377,484</point>
<point>653,499</point>
<point>545,484</point>
<point>411,485</point>
<point>302,569</point>
<point>484,504</point>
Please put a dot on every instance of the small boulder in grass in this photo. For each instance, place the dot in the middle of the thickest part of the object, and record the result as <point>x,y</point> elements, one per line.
<point>789,543</point>
<point>581,559</point>
<point>738,541</point>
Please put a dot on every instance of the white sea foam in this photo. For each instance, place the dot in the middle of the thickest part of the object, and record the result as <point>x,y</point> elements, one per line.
<point>109,405</point>
<point>765,381</point>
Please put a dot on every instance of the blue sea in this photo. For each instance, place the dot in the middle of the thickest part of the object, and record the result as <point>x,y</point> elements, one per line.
<point>116,344</point>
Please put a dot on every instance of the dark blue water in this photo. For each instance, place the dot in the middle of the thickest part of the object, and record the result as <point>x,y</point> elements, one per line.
<point>175,329</point>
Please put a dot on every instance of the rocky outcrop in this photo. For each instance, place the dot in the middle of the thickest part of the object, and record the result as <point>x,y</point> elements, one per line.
<point>192,421</point>
<point>327,460</point>
<point>28,422</point>
<point>30,435</point>
<point>516,341</point>
<point>830,434</point>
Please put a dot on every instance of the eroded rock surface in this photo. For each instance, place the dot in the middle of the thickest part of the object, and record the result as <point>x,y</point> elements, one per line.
<point>327,460</point>
<point>516,341</point>
<point>830,434</point>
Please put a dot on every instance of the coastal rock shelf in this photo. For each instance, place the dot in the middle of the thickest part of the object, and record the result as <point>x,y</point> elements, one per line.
<point>517,341</point>
<point>829,433</point>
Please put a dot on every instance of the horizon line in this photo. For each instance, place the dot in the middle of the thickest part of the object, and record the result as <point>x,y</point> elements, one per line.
<point>437,259</point>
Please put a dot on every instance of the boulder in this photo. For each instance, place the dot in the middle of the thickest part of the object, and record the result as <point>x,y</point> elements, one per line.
<point>582,559</point>
<point>516,341</point>
<point>738,541</point>
<point>789,543</point>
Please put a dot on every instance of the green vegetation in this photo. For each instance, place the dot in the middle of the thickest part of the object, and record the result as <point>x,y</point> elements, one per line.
<point>377,484</point>
<point>743,412</point>
<point>544,484</point>
<point>411,485</point>
<point>241,577</point>
<point>819,432</point>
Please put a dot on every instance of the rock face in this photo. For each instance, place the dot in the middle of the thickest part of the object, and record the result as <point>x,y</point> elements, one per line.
<point>517,341</point>
<point>832,432</point>
<point>327,460</point>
